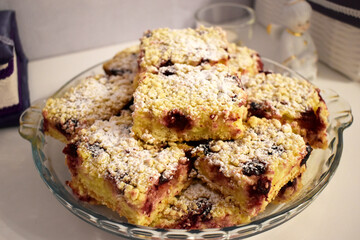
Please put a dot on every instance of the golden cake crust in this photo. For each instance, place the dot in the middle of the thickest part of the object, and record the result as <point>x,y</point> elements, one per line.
<point>290,100</point>
<point>199,207</point>
<point>166,46</point>
<point>244,60</point>
<point>254,168</point>
<point>122,173</point>
<point>187,103</point>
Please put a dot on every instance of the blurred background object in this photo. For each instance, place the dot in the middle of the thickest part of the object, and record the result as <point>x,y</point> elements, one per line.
<point>336,32</point>
<point>236,19</point>
<point>297,49</point>
<point>268,14</point>
<point>51,28</point>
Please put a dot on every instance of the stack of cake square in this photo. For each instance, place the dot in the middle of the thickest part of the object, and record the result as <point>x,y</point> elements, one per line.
<point>187,132</point>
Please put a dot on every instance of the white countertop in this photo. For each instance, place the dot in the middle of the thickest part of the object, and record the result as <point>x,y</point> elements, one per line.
<point>28,210</point>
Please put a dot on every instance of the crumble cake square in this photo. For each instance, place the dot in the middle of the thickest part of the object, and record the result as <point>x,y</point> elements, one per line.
<point>290,100</point>
<point>95,97</point>
<point>187,103</point>
<point>199,207</point>
<point>164,47</point>
<point>254,168</point>
<point>111,167</point>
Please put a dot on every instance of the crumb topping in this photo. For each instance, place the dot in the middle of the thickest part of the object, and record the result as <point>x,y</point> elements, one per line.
<point>192,90</point>
<point>265,145</point>
<point>95,97</point>
<point>283,96</point>
<point>117,156</point>
<point>187,46</point>
<point>198,204</point>
<point>243,59</point>
<point>123,63</point>
<point>199,190</point>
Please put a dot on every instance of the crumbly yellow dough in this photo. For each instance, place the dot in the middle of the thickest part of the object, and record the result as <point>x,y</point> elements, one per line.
<point>187,103</point>
<point>95,97</point>
<point>254,168</point>
<point>243,60</point>
<point>189,46</point>
<point>199,207</point>
<point>123,173</point>
<point>290,100</point>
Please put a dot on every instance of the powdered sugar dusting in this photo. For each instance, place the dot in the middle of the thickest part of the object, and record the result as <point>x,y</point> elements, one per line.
<point>200,207</point>
<point>243,59</point>
<point>189,88</point>
<point>187,46</point>
<point>128,162</point>
<point>95,97</point>
<point>284,96</point>
<point>265,141</point>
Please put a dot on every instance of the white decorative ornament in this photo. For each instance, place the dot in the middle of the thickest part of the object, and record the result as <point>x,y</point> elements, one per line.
<point>298,50</point>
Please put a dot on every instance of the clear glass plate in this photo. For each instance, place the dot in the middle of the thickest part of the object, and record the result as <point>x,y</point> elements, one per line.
<point>49,160</point>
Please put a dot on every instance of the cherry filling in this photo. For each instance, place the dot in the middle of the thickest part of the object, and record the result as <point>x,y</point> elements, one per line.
<point>60,128</point>
<point>168,71</point>
<point>254,167</point>
<point>72,159</point>
<point>166,63</point>
<point>204,208</point>
<point>198,215</point>
<point>178,121</point>
<point>159,190</point>
<point>290,186</point>
<point>127,106</point>
<point>259,191</point>
<point>308,150</point>
<point>256,193</point>
<point>96,149</point>
<point>204,61</point>
<point>311,121</point>
<point>68,128</point>
<point>275,149</point>
<point>163,179</point>
<point>260,64</point>
<point>71,150</point>
<point>265,72</point>
<point>257,110</point>
<point>45,125</point>
<point>118,71</point>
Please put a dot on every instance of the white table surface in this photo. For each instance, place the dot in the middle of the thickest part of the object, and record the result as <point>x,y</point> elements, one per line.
<point>28,210</point>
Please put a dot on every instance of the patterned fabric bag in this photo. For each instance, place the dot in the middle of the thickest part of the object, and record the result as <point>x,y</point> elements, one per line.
<point>14,92</point>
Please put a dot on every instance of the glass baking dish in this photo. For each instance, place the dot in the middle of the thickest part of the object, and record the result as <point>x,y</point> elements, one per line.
<point>49,160</point>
